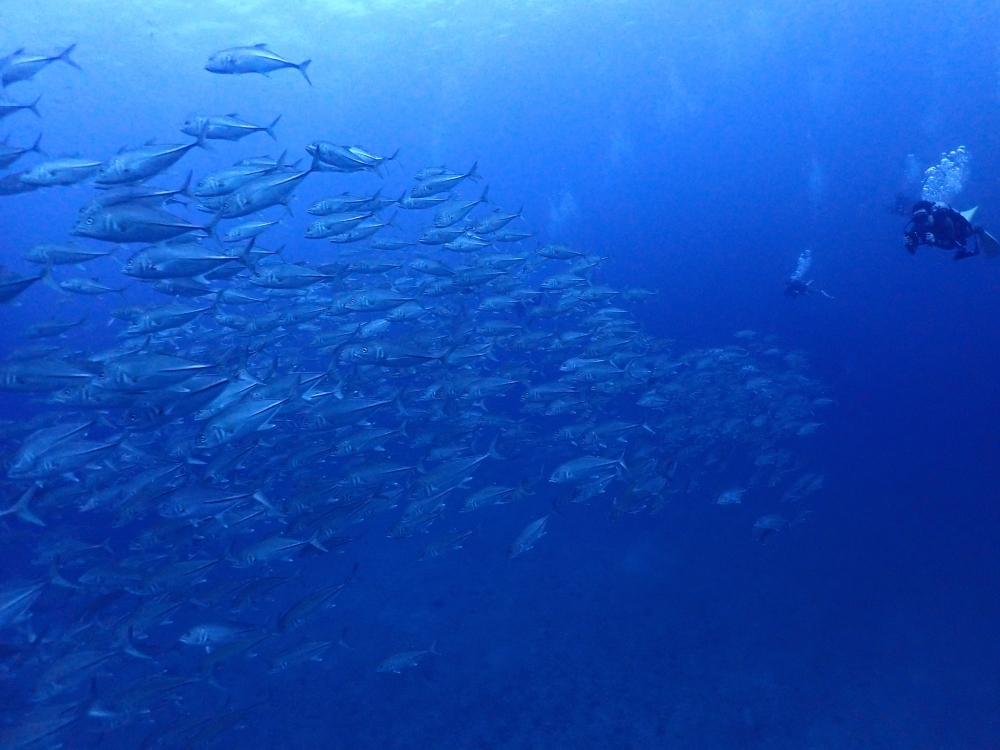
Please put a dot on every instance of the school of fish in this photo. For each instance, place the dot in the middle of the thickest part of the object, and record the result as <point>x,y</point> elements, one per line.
<point>254,413</point>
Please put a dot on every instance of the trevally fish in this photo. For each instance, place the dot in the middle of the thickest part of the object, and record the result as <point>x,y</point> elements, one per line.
<point>9,108</point>
<point>527,538</point>
<point>21,66</point>
<point>67,171</point>
<point>255,59</point>
<point>10,154</point>
<point>404,659</point>
<point>270,189</point>
<point>136,165</point>
<point>134,222</point>
<point>346,158</point>
<point>442,182</point>
<point>227,128</point>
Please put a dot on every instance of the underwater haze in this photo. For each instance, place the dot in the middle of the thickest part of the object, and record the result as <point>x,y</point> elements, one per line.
<point>497,375</point>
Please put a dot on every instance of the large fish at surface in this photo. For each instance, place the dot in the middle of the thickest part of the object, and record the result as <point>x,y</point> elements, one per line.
<point>255,59</point>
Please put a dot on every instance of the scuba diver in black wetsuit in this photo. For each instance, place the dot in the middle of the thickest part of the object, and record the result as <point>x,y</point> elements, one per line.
<point>796,285</point>
<point>939,225</point>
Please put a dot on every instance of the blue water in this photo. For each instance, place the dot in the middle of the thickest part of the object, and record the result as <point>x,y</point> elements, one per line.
<point>702,149</point>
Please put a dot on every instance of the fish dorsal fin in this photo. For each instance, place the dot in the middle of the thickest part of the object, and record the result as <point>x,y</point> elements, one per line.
<point>967,215</point>
<point>262,45</point>
<point>232,114</point>
<point>150,142</point>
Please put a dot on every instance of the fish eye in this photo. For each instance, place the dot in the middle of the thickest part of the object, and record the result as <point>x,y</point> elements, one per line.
<point>201,438</point>
<point>364,350</point>
<point>90,220</point>
<point>336,448</point>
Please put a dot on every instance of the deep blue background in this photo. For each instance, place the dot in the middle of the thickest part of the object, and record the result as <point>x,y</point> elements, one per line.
<point>702,150</point>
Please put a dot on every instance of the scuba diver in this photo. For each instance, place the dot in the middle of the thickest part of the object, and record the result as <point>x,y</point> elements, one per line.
<point>940,225</point>
<point>797,286</point>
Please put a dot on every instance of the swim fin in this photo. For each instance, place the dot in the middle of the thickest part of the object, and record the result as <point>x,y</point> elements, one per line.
<point>987,243</point>
<point>967,215</point>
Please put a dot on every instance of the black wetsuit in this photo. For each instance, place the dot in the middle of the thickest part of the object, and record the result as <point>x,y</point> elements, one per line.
<point>797,287</point>
<point>940,225</point>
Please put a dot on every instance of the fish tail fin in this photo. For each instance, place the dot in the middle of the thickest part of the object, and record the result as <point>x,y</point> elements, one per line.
<point>211,227</point>
<point>341,641</point>
<point>49,281</point>
<point>202,135</point>
<point>433,649</point>
<point>484,198</point>
<point>21,510</point>
<point>260,498</point>
<point>185,189</point>
<point>392,221</point>
<point>244,256</point>
<point>472,175</point>
<point>34,106</point>
<point>270,128</point>
<point>621,460</point>
<point>315,162</point>
<point>302,69</point>
<point>394,157</point>
<point>130,647</point>
<point>520,212</point>
<point>492,452</point>
<point>56,578</point>
<point>402,429</point>
<point>314,542</point>
<point>64,56</point>
<point>37,146</point>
